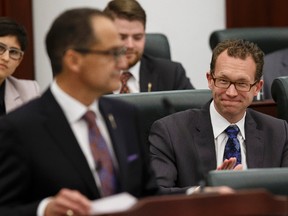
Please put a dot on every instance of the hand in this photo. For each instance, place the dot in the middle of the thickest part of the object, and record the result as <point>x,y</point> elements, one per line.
<point>68,202</point>
<point>229,164</point>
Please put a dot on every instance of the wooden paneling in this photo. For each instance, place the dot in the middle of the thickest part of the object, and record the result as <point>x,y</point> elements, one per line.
<point>21,11</point>
<point>256,13</point>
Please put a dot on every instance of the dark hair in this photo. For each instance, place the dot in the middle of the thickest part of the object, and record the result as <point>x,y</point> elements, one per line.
<point>10,27</point>
<point>71,29</point>
<point>239,49</point>
<point>126,9</point>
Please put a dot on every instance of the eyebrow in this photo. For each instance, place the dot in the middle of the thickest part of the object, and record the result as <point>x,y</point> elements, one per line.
<point>10,47</point>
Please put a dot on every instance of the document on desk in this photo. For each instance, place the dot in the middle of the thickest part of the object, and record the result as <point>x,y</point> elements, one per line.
<point>112,204</point>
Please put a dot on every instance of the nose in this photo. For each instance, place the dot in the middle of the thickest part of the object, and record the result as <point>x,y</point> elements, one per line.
<point>129,43</point>
<point>5,55</point>
<point>232,91</point>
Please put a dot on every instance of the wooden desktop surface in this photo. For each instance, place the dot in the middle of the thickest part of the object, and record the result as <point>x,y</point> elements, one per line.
<point>265,106</point>
<point>246,202</point>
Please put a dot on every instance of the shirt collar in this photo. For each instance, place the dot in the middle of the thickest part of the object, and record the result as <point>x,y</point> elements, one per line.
<point>72,108</point>
<point>219,123</point>
<point>135,71</point>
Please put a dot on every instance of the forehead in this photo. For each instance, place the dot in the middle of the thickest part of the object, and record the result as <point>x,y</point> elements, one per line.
<point>10,41</point>
<point>235,68</point>
<point>125,26</point>
<point>106,32</point>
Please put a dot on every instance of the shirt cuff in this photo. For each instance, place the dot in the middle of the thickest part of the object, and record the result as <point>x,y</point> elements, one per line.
<point>42,206</point>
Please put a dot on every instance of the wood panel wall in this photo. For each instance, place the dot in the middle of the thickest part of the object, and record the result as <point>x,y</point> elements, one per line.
<point>256,13</point>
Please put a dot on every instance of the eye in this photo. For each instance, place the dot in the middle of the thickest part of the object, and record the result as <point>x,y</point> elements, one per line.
<point>138,37</point>
<point>14,52</point>
<point>223,81</point>
<point>242,84</point>
<point>2,49</point>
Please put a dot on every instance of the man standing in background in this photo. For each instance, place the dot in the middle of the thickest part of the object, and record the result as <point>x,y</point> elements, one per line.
<point>144,73</point>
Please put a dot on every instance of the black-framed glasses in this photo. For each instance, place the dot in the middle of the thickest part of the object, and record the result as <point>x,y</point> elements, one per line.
<point>225,84</point>
<point>116,52</point>
<point>14,53</point>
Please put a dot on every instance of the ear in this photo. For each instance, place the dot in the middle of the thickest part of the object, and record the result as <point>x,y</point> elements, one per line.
<point>259,86</point>
<point>72,60</point>
<point>209,79</point>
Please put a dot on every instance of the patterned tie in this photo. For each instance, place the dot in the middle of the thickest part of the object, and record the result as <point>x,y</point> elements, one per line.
<point>101,155</point>
<point>232,148</point>
<point>125,76</point>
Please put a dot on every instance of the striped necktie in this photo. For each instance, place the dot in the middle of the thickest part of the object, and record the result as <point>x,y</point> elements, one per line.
<point>125,76</point>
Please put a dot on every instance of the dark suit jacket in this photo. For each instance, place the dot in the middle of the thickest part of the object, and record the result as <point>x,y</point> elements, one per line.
<point>39,155</point>
<point>163,74</point>
<point>275,65</point>
<point>183,149</point>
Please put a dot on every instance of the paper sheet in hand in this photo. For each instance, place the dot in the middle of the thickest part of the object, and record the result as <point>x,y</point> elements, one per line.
<point>116,203</point>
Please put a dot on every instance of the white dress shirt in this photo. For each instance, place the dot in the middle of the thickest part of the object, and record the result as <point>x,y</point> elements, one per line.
<point>74,111</point>
<point>219,124</point>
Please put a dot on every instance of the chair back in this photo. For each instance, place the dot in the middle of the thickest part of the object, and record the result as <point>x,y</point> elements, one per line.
<point>279,90</point>
<point>155,105</point>
<point>269,39</point>
<point>157,45</point>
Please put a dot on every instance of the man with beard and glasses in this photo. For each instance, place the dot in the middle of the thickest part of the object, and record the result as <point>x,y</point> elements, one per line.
<point>144,73</point>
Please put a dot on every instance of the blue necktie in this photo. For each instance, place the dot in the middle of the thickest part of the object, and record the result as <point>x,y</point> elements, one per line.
<point>232,148</point>
<point>101,155</point>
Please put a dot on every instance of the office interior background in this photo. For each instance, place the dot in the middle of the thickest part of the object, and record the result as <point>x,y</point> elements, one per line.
<point>187,24</point>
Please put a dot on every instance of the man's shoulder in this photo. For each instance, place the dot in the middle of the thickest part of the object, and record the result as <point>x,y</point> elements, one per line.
<point>158,61</point>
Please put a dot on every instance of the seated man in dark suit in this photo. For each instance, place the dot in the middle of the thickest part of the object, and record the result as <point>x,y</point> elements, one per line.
<point>224,134</point>
<point>275,65</point>
<point>55,155</point>
<point>146,73</point>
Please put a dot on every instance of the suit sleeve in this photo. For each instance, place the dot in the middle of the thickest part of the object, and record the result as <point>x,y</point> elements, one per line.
<point>181,80</point>
<point>14,175</point>
<point>163,159</point>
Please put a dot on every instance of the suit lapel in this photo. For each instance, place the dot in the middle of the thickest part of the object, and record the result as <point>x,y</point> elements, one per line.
<point>61,131</point>
<point>12,96</point>
<point>147,76</point>
<point>254,143</point>
<point>118,141</point>
<point>204,140</point>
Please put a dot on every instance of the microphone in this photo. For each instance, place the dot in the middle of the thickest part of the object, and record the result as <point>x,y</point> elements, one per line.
<point>168,106</point>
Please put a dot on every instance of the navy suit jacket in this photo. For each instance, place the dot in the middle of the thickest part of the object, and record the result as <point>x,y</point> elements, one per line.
<point>182,146</point>
<point>39,155</point>
<point>164,75</point>
<point>275,65</point>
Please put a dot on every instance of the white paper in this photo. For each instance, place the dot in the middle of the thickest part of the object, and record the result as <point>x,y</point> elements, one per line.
<point>116,203</point>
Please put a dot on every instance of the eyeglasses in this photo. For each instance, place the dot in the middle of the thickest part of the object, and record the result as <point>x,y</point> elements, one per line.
<point>116,52</point>
<point>225,84</point>
<point>14,53</point>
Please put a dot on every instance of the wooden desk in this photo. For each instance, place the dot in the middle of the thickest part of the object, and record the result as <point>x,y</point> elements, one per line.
<point>265,106</point>
<point>248,203</point>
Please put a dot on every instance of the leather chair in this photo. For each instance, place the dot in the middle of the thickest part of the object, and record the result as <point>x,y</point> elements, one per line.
<point>269,39</point>
<point>279,90</point>
<point>155,105</point>
<point>157,45</point>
